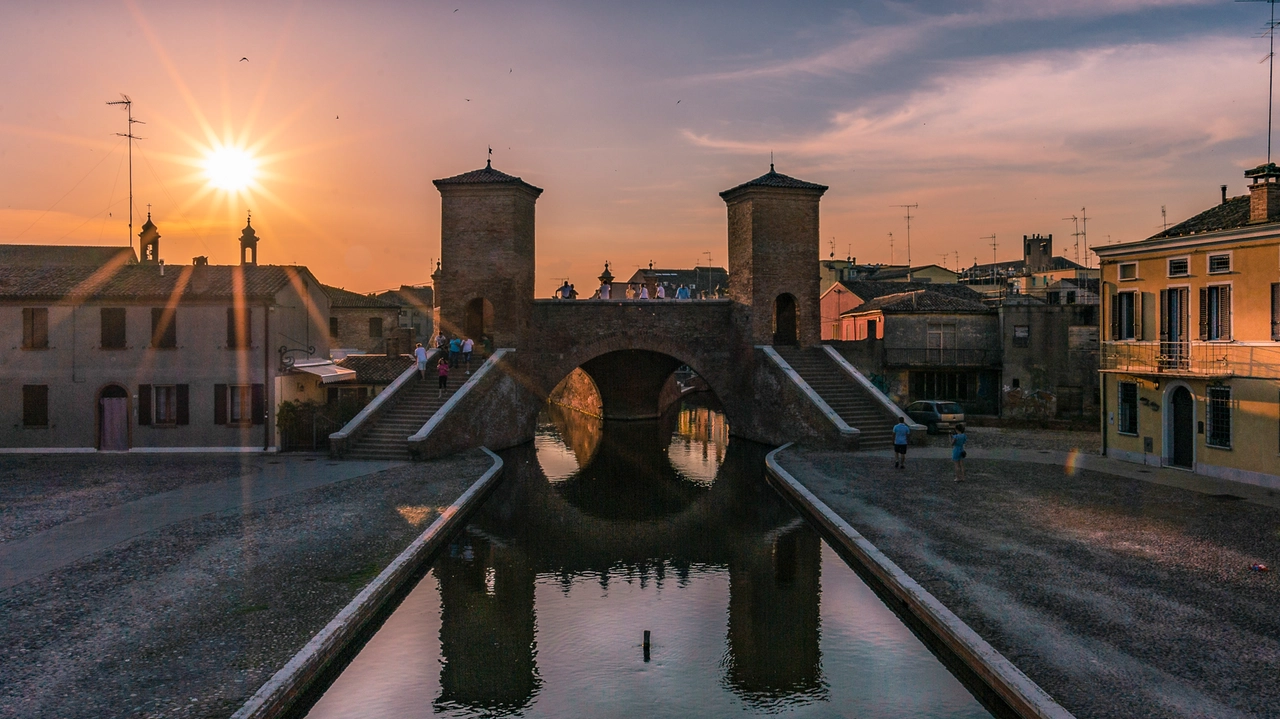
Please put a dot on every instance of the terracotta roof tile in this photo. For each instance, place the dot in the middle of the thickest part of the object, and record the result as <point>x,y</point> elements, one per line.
<point>1225,216</point>
<point>775,179</point>
<point>485,176</point>
<point>346,299</point>
<point>144,282</point>
<point>921,301</point>
<point>376,369</point>
<point>65,255</point>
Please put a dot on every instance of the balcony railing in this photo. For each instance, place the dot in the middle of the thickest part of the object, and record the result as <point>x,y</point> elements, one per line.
<point>941,357</point>
<point>1192,359</point>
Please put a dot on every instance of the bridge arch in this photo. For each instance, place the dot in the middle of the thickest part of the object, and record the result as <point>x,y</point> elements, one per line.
<point>629,370</point>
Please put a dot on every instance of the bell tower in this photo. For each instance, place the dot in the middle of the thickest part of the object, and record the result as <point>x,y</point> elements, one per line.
<point>484,283</point>
<point>773,257</point>
<point>248,243</point>
<point>149,243</point>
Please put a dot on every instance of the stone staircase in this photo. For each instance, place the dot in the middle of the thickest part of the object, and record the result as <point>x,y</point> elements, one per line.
<point>849,399</point>
<point>413,405</point>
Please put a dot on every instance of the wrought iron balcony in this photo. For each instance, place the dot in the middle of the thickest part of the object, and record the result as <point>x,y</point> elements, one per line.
<point>1192,359</point>
<point>941,357</point>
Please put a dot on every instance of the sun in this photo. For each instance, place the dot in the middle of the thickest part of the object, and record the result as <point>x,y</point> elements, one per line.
<point>230,168</point>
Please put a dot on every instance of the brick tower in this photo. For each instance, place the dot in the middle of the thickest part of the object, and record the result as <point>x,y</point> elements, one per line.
<point>773,257</point>
<point>484,284</point>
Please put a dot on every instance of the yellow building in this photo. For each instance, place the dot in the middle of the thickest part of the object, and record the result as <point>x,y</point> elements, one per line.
<point>1190,355</point>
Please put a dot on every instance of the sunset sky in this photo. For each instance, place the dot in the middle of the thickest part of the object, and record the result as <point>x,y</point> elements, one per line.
<point>996,117</point>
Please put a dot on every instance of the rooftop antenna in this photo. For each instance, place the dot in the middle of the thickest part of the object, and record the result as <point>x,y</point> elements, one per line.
<point>1270,34</point>
<point>890,248</point>
<point>833,248</point>
<point>708,254</point>
<point>991,237</point>
<point>1164,216</point>
<point>944,257</point>
<point>849,259</point>
<point>1084,234</point>
<point>908,208</point>
<point>1076,234</point>
<point>128,108</point>
<point>771,161</point>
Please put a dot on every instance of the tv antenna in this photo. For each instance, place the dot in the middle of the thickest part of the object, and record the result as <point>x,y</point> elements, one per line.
<point>991,237</point>
<point>128,108</point>
<point>890,248</point>
<point>833,248</point>
<point>708,254</point>
<point>1164,216</point>
<point>1076,234</point>
<point>1084,234</point>
<point>908,208</point>
<point>1270,34</point>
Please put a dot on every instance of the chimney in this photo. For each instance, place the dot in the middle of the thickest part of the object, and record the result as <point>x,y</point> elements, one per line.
<point>1264,193</point>
<point>1224,194</point>
<point>162,268</point>
<point>199,274</point>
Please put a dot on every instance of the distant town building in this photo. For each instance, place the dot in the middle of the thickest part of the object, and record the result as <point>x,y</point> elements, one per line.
<point>703,282</point>
<point>416,303</point>
<point>1038,274</point>
<point>833,271</point>
<point>112,353</point>
<point>1190,355</point>
<point>359,323</point>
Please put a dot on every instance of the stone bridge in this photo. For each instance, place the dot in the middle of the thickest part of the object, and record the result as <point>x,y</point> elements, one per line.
<point>616,357</point>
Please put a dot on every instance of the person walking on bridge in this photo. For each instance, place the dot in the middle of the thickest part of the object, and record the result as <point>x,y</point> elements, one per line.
<point>662,292</point>
<point>958,441</point>
<point>442,371</point>
<point>467,346</point>
<point>682,293</point>
<point>455,350</point>
<point>901,431</point>
<point>563,292</point>
<point>420,354</point>
<point>644,292</point>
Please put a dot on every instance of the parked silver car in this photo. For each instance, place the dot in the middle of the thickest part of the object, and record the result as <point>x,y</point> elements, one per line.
<point>936,414</point>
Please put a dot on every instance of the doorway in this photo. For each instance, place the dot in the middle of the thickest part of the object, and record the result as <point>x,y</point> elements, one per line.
<point>479,319</point>
<point>113,419</point>
<point>1182,429</point>
<point>784,321</point>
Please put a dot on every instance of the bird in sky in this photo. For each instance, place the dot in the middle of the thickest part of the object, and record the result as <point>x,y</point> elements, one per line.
<point>244,59</point>
<point>468,99</point>
<point>677,102</point>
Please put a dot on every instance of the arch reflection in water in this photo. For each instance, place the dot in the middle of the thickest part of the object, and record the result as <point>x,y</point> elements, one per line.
<point>601,530</point>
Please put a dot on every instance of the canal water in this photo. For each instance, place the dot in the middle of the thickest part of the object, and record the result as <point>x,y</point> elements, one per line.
<point>601,532</point>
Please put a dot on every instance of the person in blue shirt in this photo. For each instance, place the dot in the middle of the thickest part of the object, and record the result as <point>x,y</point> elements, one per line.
<point>455,351</point>
<point>958,454</point>
<point>682,293</point>
<point>900,433</point>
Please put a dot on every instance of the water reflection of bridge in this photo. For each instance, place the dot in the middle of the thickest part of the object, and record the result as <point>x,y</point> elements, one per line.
<point>630,511</point>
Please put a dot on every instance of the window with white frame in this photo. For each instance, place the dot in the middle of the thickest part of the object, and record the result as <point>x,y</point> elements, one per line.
<point>1125,317</point>
<point>165,399</point>
<point>1218,416</point>
<point>1219,263</point>
<point>1129,270</point>
<point>241,404</point>
<point>1179,266</point>
<point>1215,312</point>
<point>1127,414</point>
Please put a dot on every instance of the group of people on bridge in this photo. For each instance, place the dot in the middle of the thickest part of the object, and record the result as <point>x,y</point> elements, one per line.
<point>630,291</point>
<point>453,351</point>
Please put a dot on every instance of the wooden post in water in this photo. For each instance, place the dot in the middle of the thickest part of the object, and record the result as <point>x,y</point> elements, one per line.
<point>646,645</point>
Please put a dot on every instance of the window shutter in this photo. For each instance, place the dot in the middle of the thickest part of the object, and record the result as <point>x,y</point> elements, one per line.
<point>1164,315</point>
<point>1224,312</point>
<point>184,404</point>
<point>1137,316</point>
<point>1275,312</point>
<point>1115,316</point>
<point>219,404</point>
<point>258,404</point>
<point>231,327</point>
<point>1204,313</point>
<point>144,404</point>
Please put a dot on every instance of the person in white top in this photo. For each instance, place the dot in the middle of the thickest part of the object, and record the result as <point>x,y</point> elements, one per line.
<point>662,292</point>
<point>606,289</point>
<point>420,354</point>
<point>467,346</point>
<point>644,292</point>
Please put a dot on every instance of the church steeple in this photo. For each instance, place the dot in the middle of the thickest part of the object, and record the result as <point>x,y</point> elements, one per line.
<point>149,243</point>
<point>248,243</point>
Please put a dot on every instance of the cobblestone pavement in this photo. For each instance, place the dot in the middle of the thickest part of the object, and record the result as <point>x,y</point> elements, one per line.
<point>189,619</point>
<point>1120,597</point>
